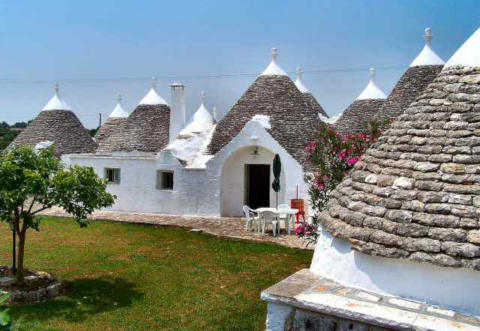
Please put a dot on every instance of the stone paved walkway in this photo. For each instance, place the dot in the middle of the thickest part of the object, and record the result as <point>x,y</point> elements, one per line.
<point>218,226</point>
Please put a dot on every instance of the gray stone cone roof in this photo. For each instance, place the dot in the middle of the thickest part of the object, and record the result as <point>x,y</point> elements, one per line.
<point>61,127</point>
<point>146,130</point>
<point>356,117</point>
<point>111,125</point>
<point>407,89</point>
<point>313,103</point>
<point>293,121</point>
<point>415,194</point>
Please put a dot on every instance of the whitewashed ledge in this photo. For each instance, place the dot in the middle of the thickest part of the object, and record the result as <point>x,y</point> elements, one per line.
<point>305,301</point>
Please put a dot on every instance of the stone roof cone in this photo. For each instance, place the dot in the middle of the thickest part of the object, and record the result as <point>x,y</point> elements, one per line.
<point>356,117</point>
<point>145,130</point>
<point>416,192</point>
<point>307,95</point>
<point>421,72</point>
<point>57,124</point>
<point>117,117</point>
<point>275,95</point>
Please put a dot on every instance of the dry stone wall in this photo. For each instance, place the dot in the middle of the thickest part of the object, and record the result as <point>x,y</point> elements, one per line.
<point>416,192</point>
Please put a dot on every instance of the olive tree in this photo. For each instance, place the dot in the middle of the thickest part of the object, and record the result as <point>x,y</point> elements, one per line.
<point>34,180</point>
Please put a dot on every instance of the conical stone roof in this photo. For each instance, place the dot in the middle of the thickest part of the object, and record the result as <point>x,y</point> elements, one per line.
<point>416,192</point>
<point>293,123</point>
<point>357,116</point>
<point>145,130</point>
<point>424,68</point>
<point>117,118</point>
<point>59,126</point>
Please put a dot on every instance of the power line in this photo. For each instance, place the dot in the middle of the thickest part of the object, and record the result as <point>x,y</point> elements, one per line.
<point>180,77</point>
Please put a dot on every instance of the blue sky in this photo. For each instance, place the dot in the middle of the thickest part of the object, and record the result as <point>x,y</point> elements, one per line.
<point>97,49</point>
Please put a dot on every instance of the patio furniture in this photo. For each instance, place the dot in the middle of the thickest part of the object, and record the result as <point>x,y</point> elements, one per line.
<point>269,217</point>
<point>251,218</point>
<point>291,212</point>
<point>300,205</point>
<point>283,216</point>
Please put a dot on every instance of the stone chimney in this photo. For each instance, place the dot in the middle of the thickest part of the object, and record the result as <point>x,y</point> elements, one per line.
<point>177,110</point>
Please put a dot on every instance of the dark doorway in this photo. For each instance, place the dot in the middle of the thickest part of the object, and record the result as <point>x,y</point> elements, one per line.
<point>257,185</point>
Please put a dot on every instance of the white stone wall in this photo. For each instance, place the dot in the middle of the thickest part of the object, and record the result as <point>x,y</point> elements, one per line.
<point>196,191</point>
<point>448,287</point>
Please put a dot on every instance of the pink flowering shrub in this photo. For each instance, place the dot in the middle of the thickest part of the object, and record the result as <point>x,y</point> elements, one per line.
<point>331,155</point>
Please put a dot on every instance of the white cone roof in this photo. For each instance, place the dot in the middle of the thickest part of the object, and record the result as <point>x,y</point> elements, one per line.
<point>118,111</point>
<point>372,91</point>
<point>298,82</point>
<point>56,103</point>
<point>152,97</point>
<point>427,56</point>
<point>468,54</point>
<point>201,121</point>
<point>273,69</point>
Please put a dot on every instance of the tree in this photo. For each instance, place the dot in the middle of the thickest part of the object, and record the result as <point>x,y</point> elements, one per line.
<point>277,170</point>
<point>33,181</point>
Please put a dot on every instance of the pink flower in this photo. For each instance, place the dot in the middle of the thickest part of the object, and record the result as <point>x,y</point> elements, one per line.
<point>351,161</point>
<point>299,230</point>
<point>342,154</point>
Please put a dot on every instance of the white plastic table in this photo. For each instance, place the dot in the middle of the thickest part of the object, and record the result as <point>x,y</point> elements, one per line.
<point>290,212</point>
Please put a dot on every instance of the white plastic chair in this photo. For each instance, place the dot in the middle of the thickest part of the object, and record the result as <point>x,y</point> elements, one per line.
<point>250,216</point>
<point>269,217</point>
<point>284,217</point>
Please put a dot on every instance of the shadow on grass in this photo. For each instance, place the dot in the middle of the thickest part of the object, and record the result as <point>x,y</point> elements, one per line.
<point>83,298</point>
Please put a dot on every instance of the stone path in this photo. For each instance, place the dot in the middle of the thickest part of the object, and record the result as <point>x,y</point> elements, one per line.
<point>229,227</point>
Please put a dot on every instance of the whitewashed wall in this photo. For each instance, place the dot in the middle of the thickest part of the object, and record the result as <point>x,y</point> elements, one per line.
<point>196,191</point>
<point>233,179</point>
<point>447,287</point>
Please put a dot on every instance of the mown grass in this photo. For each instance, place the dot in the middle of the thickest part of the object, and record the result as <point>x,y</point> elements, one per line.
<point>134,277</point>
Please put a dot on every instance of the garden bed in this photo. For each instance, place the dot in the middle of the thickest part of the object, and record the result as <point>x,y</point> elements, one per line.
<point>37,286</point>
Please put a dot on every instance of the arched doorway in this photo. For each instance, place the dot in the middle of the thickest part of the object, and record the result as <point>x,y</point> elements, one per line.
<point>246,179</point>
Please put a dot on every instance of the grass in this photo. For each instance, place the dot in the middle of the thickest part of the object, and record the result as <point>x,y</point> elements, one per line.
<point>133,277</point>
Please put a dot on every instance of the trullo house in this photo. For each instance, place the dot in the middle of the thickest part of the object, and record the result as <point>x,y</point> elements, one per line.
<point>56,124</point>
<point>156,161</point>
<point>400,240</point>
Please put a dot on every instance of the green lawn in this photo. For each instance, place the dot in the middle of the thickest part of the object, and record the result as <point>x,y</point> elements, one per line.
<point>133,277</point>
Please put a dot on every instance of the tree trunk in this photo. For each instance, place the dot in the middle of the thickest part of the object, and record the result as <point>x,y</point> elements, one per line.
<point>21,251</point>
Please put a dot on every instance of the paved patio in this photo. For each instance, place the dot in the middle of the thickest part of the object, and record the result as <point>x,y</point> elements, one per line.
<point>229,227</point>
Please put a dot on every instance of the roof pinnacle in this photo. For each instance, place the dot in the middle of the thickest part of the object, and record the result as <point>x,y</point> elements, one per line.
<point>154,82</point>
<point>372,74</point>
<point>119,98</point>
<point>57,88</point>
<point>274,54</point>
<point>202,97</point>
<point>299,72</point>
<point>428,36</point>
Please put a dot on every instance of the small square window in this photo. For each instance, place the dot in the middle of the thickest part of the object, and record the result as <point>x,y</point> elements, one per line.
<point>164,180</point>
<point>112,175</point>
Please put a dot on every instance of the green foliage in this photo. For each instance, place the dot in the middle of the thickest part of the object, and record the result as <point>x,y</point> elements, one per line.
<point>277,169</point>
<point>33,181</point>
<point>93,132</point>
<point>5,321</point>
<point>6,135</point>
<point>332,155</point>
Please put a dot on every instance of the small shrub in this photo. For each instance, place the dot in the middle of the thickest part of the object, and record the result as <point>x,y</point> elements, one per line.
<point>332,155</point>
